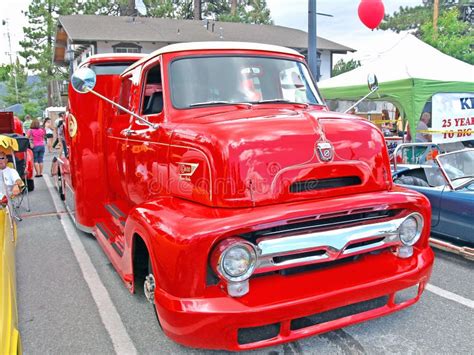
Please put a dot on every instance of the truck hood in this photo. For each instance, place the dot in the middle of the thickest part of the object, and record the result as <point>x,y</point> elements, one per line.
<point>255,157</point>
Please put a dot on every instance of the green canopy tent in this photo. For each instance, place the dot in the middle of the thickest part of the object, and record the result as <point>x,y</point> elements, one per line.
<point>409,74</point>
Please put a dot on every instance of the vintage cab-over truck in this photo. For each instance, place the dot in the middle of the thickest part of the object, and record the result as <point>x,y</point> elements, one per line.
<point>214,177</point>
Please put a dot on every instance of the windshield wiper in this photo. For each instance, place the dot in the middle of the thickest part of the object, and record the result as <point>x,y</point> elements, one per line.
<point>282,101</point>
<point>217,102</point>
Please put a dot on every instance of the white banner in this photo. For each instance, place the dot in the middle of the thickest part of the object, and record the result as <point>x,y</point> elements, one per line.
<point>452,117</point>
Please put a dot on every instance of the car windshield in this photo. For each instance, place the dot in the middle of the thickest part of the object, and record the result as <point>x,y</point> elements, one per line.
<point>224,80</point>
<point>459,166</point>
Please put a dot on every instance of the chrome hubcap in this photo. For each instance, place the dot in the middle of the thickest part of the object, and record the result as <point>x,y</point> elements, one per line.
<point>149,288</point>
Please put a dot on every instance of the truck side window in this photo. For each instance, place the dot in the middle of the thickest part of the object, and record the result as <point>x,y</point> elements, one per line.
<point>124,99</point>
<point>153,92</point>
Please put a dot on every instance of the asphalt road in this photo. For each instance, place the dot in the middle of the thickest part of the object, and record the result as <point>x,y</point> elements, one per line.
<point>59,314</point>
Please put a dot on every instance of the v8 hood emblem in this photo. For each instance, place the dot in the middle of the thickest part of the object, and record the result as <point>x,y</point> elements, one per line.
<point>325,151</point>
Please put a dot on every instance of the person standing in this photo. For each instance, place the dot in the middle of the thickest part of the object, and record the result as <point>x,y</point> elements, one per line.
<point>27,123</point>
<point>60,132</point>
<point>421,134</point>
<point>49,134</point>
<point>36,134</point>
<point>386,124</point>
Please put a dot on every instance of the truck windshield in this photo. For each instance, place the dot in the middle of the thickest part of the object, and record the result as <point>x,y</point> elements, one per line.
<point>110,68</point>
<point>201,81</point>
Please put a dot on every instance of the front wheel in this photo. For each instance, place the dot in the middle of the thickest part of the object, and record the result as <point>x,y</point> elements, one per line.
<point>149,287</point>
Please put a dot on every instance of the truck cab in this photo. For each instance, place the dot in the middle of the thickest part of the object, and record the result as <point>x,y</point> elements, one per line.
<point>213,175</point>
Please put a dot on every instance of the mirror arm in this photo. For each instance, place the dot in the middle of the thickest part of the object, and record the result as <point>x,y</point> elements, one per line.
<point>138,117</point>
<point>366,96</point>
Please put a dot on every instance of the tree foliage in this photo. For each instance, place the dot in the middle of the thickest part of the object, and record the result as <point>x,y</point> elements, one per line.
<point>30,96</point>
<point>4,71</point>
<point>453,37</point>
<point>343,66</point>
<point>39,36</point>
<point>248,11</point>
<point>412,18</point>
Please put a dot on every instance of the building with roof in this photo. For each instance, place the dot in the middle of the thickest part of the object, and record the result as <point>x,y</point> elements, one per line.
<point>80,36</point>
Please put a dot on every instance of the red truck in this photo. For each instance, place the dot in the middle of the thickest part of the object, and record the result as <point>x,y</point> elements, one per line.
<point>215,178</point>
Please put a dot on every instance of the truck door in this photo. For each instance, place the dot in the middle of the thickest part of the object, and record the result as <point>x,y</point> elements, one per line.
<point>116,144</point>
<point>147,148</point>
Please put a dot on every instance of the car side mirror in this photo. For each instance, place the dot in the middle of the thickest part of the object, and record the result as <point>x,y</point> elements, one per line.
<point>373,85</point>
<point>83,80</point>
<point>372,82</point>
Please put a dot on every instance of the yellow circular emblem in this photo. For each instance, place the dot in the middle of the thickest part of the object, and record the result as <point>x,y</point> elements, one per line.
<point>72,125</point>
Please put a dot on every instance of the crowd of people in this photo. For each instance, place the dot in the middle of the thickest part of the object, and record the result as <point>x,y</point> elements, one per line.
<point>394,127</point>
<point>44,134</point>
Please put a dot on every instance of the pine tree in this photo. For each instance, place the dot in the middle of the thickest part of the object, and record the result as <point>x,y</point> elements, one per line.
<point>29,96</point>
<point>39,35</point>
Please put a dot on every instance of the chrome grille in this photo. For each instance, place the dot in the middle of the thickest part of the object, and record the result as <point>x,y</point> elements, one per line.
<point>317,222</point>
<point>302,246</point>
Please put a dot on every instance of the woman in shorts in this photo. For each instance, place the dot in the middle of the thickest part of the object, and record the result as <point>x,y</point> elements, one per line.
<point>49,133</point>
<point>36,135</point>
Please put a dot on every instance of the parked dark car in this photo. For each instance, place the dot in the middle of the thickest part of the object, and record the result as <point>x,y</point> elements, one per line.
<point>448,182</point>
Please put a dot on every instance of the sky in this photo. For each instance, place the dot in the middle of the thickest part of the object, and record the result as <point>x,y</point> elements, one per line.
<point>344,28</point>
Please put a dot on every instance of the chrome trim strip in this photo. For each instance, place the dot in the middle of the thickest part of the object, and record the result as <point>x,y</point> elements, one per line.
<point>329,224</point>
<point>334,243</point>
<point>83,228</point>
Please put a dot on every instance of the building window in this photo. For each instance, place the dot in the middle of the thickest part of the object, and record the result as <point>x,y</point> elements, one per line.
<point>127,48</point>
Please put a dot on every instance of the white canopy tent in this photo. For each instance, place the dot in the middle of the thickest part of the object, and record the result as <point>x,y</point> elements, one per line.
<point>409,73</point>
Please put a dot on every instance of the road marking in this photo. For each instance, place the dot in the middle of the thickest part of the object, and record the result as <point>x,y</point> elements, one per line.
<point>450,296</point>
<point>107,311</point>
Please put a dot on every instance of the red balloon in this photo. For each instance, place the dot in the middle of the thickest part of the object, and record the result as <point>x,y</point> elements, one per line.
<point>371,12</point>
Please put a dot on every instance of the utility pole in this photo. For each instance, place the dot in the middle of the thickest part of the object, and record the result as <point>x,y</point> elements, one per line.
<point>435,18</point>
<point>197,10</point>
<point>13,67</point>
<point>312,40</point>
<point>313,60</point>
<point>233,7</point>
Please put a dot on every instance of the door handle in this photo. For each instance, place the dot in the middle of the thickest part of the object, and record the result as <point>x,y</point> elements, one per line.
<point>129,132</point>
<point>109,131</point>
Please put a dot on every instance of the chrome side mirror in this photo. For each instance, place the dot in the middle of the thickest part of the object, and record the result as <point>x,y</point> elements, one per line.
<point>83,80</point>
<point>372,82</point>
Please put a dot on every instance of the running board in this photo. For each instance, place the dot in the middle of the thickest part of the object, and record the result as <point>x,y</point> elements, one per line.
<point>116,213</point>
<point>116,244</point>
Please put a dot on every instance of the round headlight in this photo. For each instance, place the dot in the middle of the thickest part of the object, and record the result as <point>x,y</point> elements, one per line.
<point>236,261</point>
<point>410,229</point>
